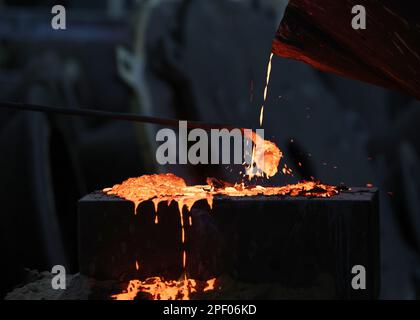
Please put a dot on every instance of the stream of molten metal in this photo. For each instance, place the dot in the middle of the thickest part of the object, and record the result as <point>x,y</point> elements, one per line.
<point>267,82</point>
<point>266,159</point>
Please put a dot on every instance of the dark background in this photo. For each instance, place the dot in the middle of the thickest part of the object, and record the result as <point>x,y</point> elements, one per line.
<point>195,60</point>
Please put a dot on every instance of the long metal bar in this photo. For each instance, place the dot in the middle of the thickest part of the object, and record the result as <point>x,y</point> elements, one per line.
<point>112,115</point>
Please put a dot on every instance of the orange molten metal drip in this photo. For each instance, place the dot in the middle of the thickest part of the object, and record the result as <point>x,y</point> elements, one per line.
<point>187,195</point>
<point>267,158</point>
<point>168,188</point>
<point>184,253</point>
<point>161,188</point>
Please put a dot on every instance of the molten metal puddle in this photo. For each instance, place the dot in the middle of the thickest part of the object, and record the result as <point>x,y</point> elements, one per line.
<point>159,289</point>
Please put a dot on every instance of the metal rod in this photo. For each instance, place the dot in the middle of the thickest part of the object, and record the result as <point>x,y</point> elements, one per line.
<point>112,115</point>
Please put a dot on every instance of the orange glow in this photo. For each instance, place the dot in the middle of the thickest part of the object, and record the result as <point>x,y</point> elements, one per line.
<point>167,188</point>
<point>266,157</point>
<point>286,170</point>
<point>156,219</point>
<point>209,285</point>
<point>146,188</point>
<point>159,289</point>
<point>158,188</point>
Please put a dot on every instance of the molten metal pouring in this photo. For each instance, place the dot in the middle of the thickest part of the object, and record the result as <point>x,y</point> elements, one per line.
<point>168,187</point>
<point>267,81</point>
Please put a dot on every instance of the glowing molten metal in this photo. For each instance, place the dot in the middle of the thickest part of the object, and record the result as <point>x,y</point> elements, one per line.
<point>158,188</point>
<point>167,188</point>
<point>265,155</point>
<point>159,289</point>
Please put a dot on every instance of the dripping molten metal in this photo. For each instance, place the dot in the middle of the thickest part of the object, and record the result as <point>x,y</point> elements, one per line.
<point>167,188</point>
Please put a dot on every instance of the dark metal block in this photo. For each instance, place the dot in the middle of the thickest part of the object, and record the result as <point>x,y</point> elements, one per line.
<point>300,243</point>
